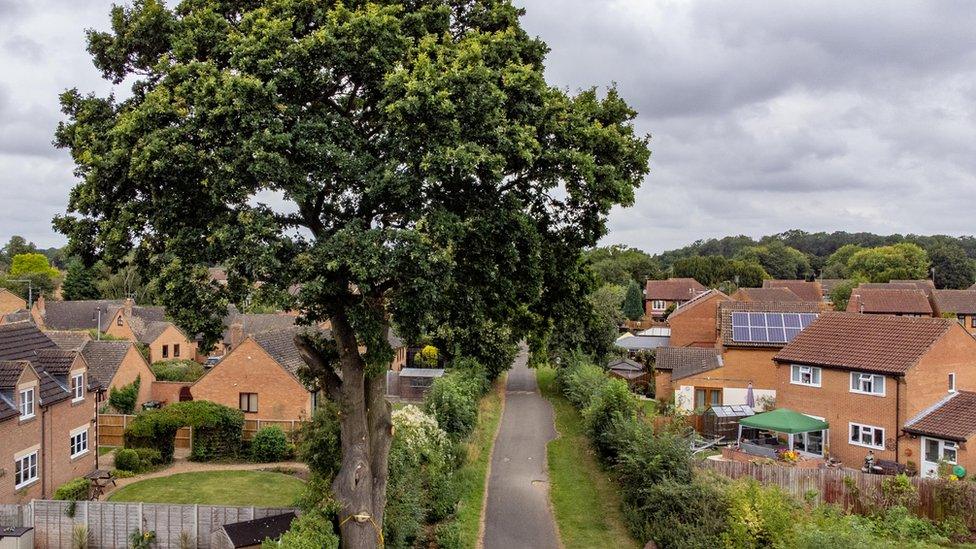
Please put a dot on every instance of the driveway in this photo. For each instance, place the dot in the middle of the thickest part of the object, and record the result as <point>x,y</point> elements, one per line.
<point>518,514</point>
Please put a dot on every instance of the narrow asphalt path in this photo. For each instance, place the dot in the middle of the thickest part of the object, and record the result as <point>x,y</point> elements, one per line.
<point>518,513</point>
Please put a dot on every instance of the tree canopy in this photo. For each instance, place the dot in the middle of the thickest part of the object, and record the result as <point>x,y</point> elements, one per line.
<point>900,261</point>
<point>633,302</point>
<point>778,259</point>
<point>952,268</point>
<point>618,264</point>
<point>387,161</point>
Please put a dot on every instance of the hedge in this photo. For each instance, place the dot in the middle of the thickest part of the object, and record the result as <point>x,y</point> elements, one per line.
<point>73,490</point>
<point>216,430</point>
<point>270,444</point>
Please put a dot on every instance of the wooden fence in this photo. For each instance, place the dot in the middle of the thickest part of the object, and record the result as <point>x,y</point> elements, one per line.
<point>857,494</point>
<point>112,426</point>
<point>110,524</point>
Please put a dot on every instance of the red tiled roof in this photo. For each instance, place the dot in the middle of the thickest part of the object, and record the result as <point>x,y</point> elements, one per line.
<point>884,301</point>
<point>954,418</point>
<point>808,291</point>
<point>871,343</point>
<point>766,295</point>
<point>673,289</point>
<point>696,301</point>
<point>954,301</point>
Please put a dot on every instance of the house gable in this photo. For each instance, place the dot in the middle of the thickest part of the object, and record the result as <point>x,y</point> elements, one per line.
<point>10,302</point>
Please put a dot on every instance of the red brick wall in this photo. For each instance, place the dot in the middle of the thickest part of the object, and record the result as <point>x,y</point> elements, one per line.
<point>248,369</point>
<point>133,365</point>
<point>168,391</point>
<point>10,302</point>
<point>697,326</point>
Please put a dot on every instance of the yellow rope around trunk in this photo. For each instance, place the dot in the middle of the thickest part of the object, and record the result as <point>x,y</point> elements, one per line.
<point>363,517</point>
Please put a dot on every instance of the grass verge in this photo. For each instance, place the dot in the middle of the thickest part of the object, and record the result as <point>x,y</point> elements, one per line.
<point>246,488</point>
<point>473,474</point>
<point>584,500</point>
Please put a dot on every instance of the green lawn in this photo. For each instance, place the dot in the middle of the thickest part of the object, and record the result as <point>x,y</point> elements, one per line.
<point>102,450</point>
<point>257,488</point>
<point>585,501</point>
<point>472,474</point>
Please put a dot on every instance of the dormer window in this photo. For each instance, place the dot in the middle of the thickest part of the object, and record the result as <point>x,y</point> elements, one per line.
<point>27,403</point>
<point>78,387</point>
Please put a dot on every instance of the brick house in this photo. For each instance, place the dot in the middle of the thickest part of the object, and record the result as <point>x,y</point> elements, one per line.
<point>117,364</point>
<point>750,334</point>
<point>946,432</point>
<point>868,376</point>
<point>693,323</point>
<point>960,304</point>
<point>239,326</point>
<point>676,364</point>
<point>119,318</point>
<point>887,301</point>
<point>10,302</point>
<point>260,377</point>
<point>765,295</point>
<point>659,295</point>
<point>47,415</point>
<point>805,290</point>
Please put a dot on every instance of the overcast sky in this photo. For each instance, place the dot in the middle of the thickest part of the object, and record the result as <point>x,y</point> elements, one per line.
<point>764,117</point>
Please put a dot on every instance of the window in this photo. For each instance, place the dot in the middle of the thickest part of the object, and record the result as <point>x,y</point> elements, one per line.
<point>707,396</point>
<point>866,435</point>
<point>78,387</point>
<point>27,403</point>
<point>952,383</point>
<point>249,402</point>
<point>25,470</point>
<point>868,384</point>
<point>118,321</point>
<point>176,349</point>
<point>421,382</point>
<point>165,351</point>
<point>805,375</point>
<point>79,443</point>
<point>658,305</point>
<point>972,321</point>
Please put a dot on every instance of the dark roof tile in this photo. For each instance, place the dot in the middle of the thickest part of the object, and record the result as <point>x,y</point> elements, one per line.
<point>954,418</point>
<point>104,359</point>
<point>673,289</point>
<point>954,301</point>
<point>685,362</point>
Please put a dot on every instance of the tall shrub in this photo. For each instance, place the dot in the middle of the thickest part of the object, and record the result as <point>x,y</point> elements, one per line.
<point>124,399</point>
<point>611,405</point>
<point>451,400</point>
<point>217,429</point>
<point>154,429</point>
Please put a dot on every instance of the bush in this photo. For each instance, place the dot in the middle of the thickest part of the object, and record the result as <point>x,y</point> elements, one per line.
<point>452,401</point>
<point>177,370</point>
<point>270,444</point>
<point>679,515</point>
<point>319,443</point>
<point>612,404</point>
<point>152,429</point>
<point>312,530</point>
<point>127,459</point>
<point>581,382</point>
<point>73,490</point>
<point>644,459</point>
<point>124,399</point>
<point>216,428</point>
<point>148,458</point>
<point>759,517</point>
<point>449,535</point>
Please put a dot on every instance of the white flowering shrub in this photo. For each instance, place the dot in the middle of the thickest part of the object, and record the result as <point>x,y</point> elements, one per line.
<point>421,437</point>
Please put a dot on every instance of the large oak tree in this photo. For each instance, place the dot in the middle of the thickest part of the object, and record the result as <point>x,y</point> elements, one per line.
<point>395,161</point>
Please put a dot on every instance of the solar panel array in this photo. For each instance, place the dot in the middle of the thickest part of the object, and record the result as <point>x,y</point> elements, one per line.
<point>769,327</point>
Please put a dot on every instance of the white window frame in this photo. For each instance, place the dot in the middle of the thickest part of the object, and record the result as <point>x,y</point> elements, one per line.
<point>24,401</point>
<point>75,446</point>
<point>803,369</point>
<point>858,379</point>
<point>952,382</point>
<point>78,387</point>
<point>861,429</point>
<point>26,462</point>
<point>658,305</point>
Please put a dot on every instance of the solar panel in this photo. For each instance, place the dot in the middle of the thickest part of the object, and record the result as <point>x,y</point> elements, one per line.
<point>769,327</point>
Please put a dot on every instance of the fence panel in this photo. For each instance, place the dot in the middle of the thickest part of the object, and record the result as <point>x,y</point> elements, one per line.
<point>110,524</point>
<point>252,426</point>
<point>851,489</point>
<point>111,428</point>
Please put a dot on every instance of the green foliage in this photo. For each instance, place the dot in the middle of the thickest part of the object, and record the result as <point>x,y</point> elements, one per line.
<point>778,259</point>
<point>35,268</point>
<point>679,515</point>
<point>216,428</point>
<point>619,265</point>
<point>427,357</point>
<point>270,444</point>
<point>142,539</point>
<point>759,517</point>
<point>124,399</point>
<point>177,370</point>
<point>836,264</point>
<point>841,294</point>
<point>953,269</point>
<point>453,401</point>
<point>79,282</point>
<point>310,531</point>
<point>610,406</point>
<point>74,490</point>
<point>900,261</point>
<point>319,442</point>
<point>17,245</point>
<point>126,459</point>
<point>714,270</point>
<point>580,381</point>
<point>148,458</point>
<point>633,305</point>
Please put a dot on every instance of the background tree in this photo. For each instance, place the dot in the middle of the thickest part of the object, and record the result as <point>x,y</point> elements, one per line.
<point>17,245</point>
<point>717,271</point>
<point>953,269</point>
<point>778,259</point>
<point>904,261</point>
<point>836,264</point>
<point>617,264</point>
<point>422,170</point>
<point>633,303</point>
<point>35,268</point>
<point>79,282</point>
<point>841,294</point>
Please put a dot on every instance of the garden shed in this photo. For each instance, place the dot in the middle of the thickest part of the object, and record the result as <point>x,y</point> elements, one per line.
<point>631,371</point>
<point>723,421</point>
<point>251,533</point>
<point>413,383</point>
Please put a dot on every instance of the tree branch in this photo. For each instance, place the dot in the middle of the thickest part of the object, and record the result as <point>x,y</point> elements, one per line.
<point>319,367</point>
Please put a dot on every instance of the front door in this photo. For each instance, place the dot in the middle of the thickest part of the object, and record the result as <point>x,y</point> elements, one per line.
<point>935,451</point>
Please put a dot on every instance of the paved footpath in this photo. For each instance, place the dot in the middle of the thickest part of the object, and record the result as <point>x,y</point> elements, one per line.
<point>518,513</point>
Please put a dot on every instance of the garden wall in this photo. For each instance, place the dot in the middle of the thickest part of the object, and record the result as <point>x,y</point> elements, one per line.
<point>110,524</point>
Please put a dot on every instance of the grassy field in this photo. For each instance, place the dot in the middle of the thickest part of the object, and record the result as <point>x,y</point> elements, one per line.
<point>256,488</point>
<point>472,474</point>
<point>585,502</point>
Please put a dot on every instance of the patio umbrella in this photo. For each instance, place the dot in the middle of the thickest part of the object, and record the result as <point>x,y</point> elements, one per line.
<point>750,396</point>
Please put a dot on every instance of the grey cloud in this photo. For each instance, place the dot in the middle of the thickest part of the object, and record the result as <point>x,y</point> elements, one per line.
<point>21,46</point>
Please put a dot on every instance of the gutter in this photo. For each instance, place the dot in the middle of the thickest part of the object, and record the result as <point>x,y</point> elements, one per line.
<point>43,460</point>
